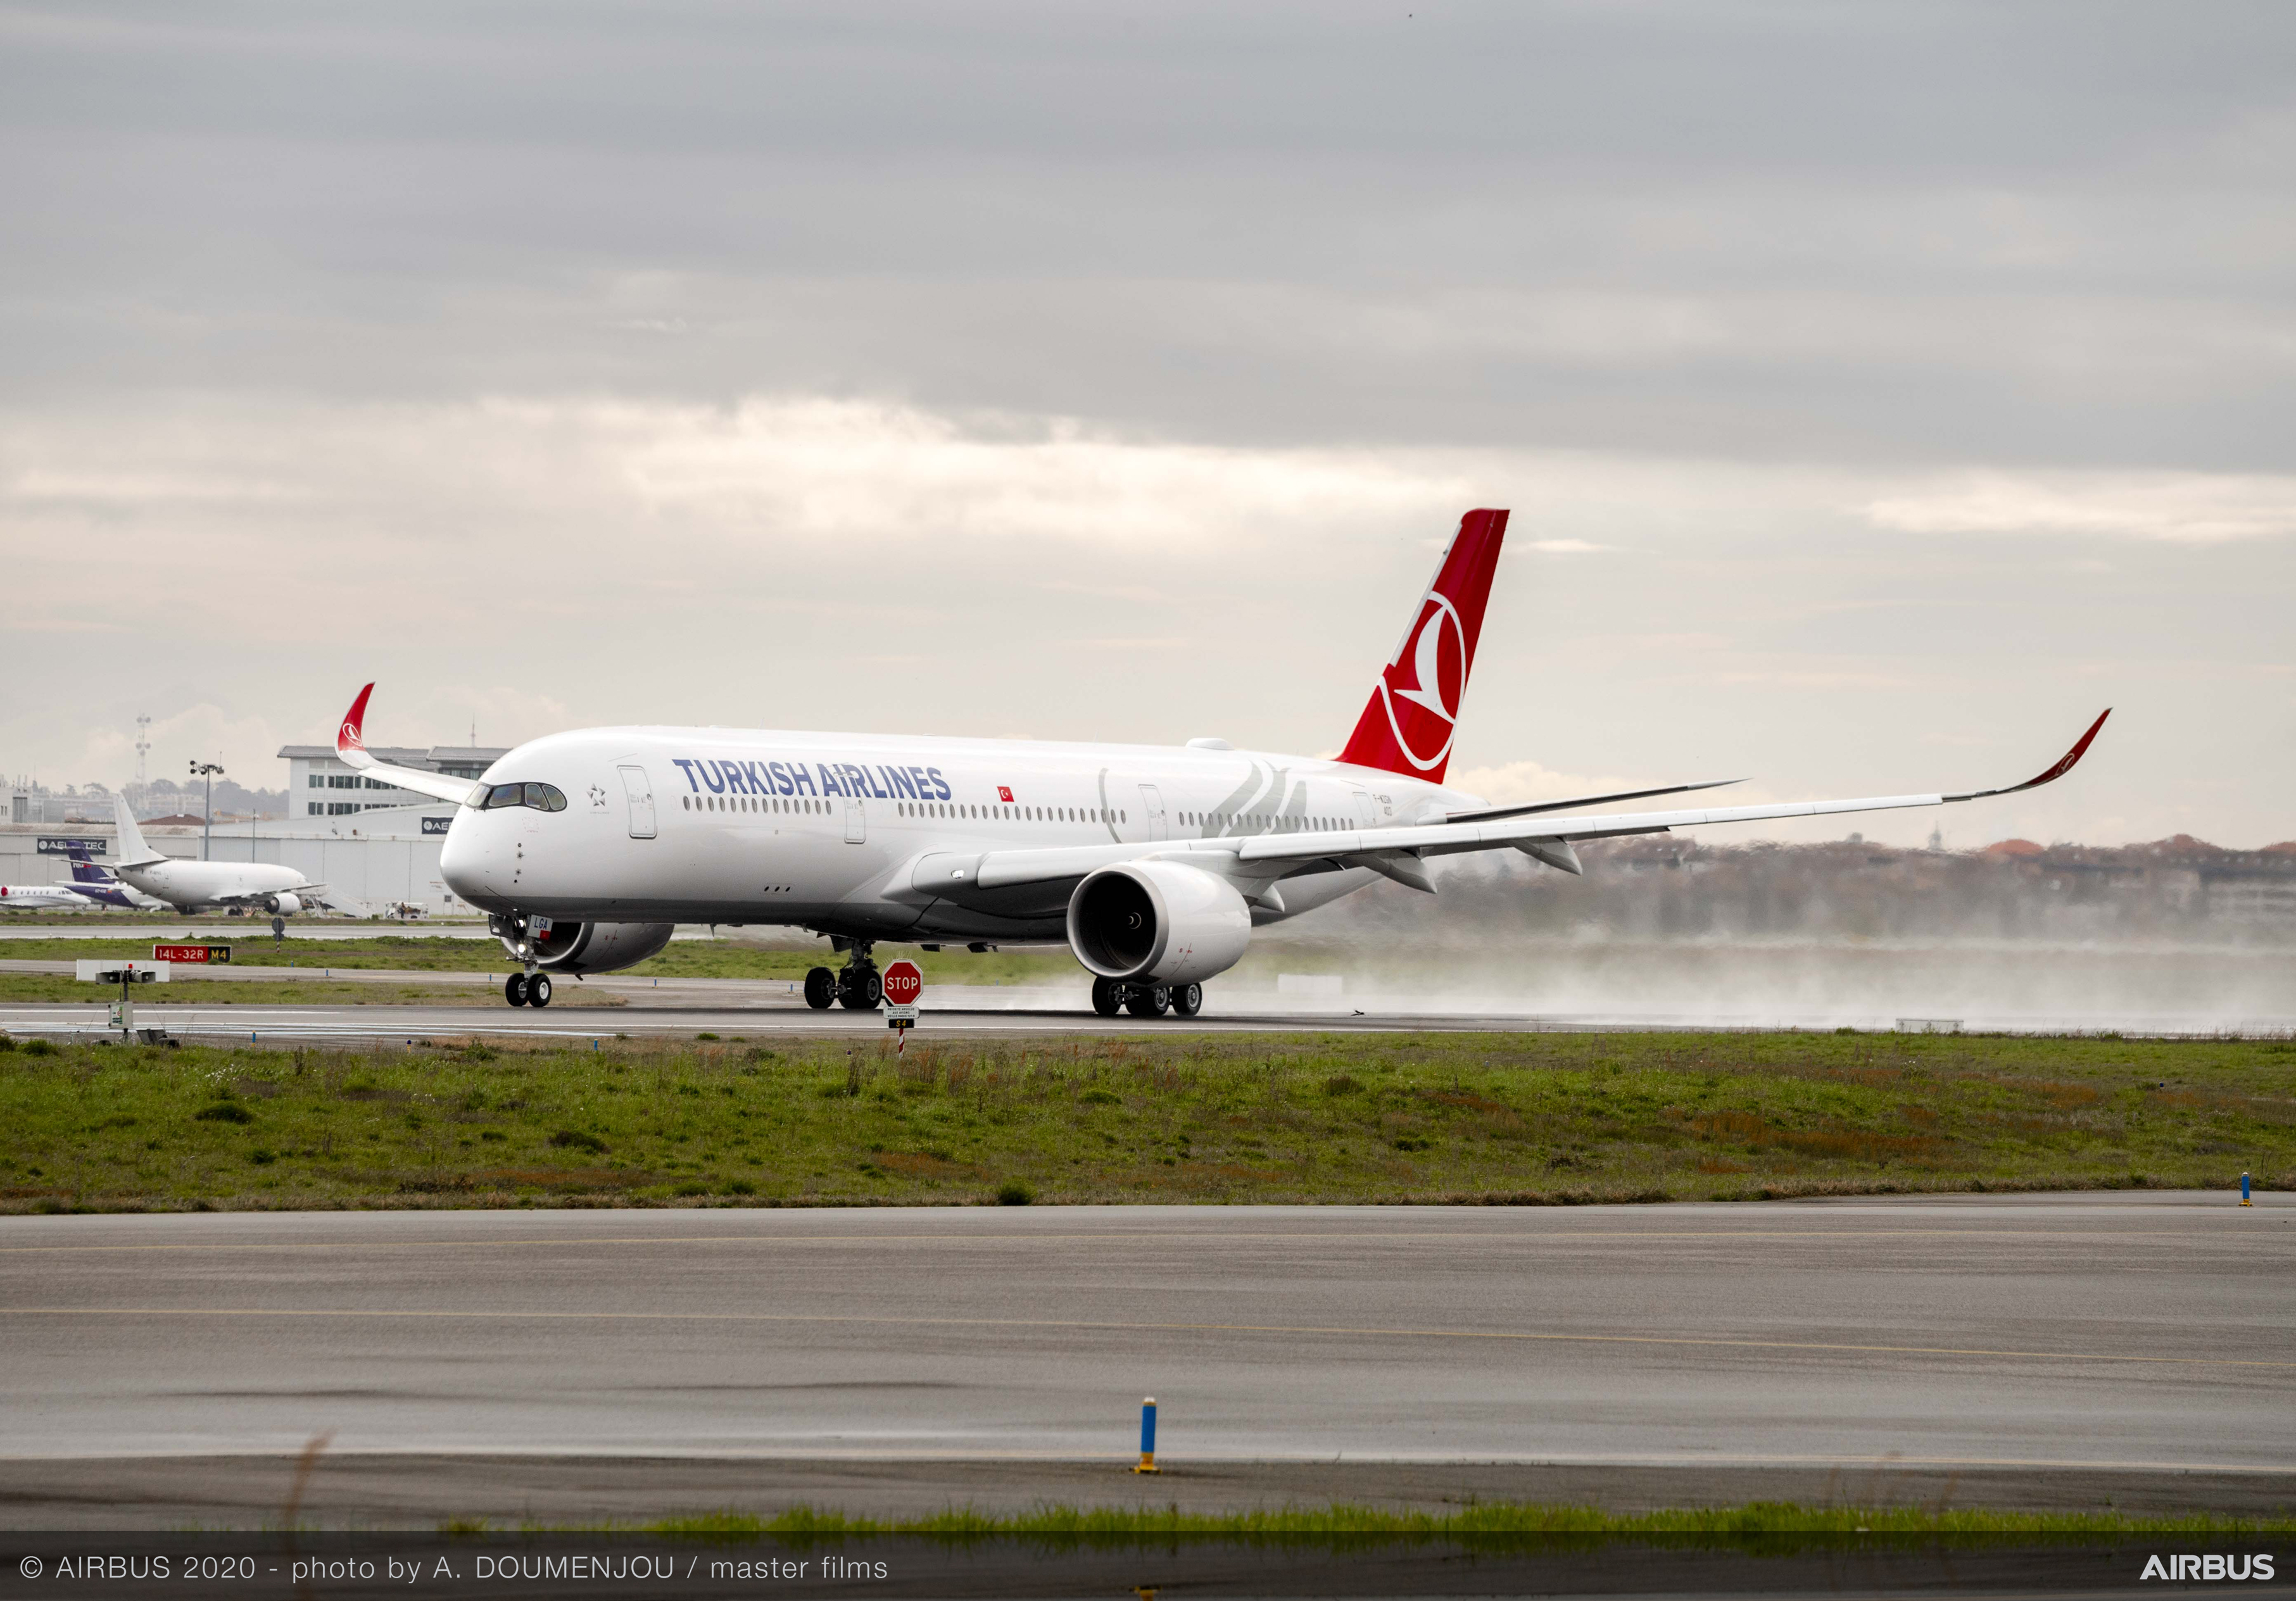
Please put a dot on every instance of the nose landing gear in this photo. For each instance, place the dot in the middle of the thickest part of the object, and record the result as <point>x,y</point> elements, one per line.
<point>527,988</point>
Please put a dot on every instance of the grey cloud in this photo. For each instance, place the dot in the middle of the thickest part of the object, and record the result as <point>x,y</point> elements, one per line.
<point>1882,346</point>
<point>1927,231</point>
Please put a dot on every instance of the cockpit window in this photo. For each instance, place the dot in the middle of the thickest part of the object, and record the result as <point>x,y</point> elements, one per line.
<point>541,797</point>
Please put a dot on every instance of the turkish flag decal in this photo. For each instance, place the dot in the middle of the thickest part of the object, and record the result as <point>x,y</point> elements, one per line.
<point>1004,794</point>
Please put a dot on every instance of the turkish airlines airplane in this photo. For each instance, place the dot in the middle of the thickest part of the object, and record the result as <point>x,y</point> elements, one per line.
<point>1153,863</point>
<point>188,885</point>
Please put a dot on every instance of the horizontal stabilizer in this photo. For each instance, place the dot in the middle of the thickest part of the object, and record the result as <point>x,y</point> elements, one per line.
<point>1489,813</point>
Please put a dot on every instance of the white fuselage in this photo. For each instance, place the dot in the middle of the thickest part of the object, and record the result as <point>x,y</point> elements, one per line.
<point>187,886</point>
<point>41,897</point>
<point>830,831</point>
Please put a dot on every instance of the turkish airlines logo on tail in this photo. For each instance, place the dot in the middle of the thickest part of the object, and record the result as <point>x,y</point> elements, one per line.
<point>1438,676</point>
<point>1406,724</point>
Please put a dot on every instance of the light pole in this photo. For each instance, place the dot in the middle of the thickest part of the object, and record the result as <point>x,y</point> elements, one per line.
<point>207,769</point>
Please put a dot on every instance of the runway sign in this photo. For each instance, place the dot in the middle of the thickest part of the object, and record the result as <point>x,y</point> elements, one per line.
<point>191,954</point>
<point>905,981</point>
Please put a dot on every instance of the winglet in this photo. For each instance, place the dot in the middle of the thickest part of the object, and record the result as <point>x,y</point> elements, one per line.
<point>350,739</point>
<point>2064,764</point>
<point>350,746</point>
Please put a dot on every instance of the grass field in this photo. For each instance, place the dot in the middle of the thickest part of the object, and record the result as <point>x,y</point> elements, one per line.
<point>1514,1118</point>
<point>1484,1519</point>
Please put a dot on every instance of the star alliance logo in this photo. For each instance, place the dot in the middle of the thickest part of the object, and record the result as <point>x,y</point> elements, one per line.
<point>597,794</point>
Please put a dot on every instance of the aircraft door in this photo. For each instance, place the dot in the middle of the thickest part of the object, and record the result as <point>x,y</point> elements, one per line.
<point>856,823</point>
<point>1152,811</point>
<point>640,791</point>
<point>1366,813</point>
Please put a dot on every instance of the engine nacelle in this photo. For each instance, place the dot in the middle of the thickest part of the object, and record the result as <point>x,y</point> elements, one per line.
<point>594,947</point>
<point>1158,922</point>
<point>282,904</point>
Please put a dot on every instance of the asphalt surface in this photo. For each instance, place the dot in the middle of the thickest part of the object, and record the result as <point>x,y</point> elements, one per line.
<point>279,1024</point>
<point>603,1007</point>
<point>2127,1345</point>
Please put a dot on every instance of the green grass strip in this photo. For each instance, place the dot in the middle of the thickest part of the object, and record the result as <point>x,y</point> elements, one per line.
<point>1485,1518</point>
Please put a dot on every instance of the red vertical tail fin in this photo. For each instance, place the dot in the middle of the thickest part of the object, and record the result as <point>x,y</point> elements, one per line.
<point>1407,725</point>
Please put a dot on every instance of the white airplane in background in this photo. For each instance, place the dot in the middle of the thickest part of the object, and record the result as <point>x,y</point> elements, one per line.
<point>93,883</point>
<point>1153,864</point>
<point>42,897</point>
<point>189,885</point>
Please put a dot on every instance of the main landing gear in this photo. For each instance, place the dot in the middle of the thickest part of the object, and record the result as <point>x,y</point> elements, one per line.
<point>1110,996</point>
<point>527,988</point>
<point>858,986</point>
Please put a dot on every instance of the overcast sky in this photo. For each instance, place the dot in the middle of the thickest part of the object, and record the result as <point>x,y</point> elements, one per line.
<point>1880,389</point>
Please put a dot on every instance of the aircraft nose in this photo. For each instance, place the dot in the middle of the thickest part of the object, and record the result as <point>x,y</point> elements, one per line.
<point>462,859</point>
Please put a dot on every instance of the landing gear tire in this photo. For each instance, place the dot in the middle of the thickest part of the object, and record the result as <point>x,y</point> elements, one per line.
<point>538,990</point>
<point>1107,997</point>
<point>820,988</point>
<point>1149,1001</point>
<point>1187,1000</point>
<point>515,989</point>
<point>860,989</point>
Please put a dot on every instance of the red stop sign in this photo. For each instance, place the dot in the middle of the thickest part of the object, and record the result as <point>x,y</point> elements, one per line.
<point>905,981</point>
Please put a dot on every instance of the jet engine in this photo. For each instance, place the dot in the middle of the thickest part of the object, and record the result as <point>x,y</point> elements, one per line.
<point>282,904</point>
<point>1158,922</point>
<point>578,948</point>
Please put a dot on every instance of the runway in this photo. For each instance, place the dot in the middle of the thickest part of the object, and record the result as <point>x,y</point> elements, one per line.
<point>614,1005</point>
<point>603,1007</point>
<point>358,1025</point>
<point>2128,1340</point>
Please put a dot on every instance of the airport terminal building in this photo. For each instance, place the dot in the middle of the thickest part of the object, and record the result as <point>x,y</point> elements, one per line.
<point>319,785</point>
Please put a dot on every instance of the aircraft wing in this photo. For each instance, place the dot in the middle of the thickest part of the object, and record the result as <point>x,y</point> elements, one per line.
<point>256,897</point>
<point>351,746</point>
<point>1397,852</point>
